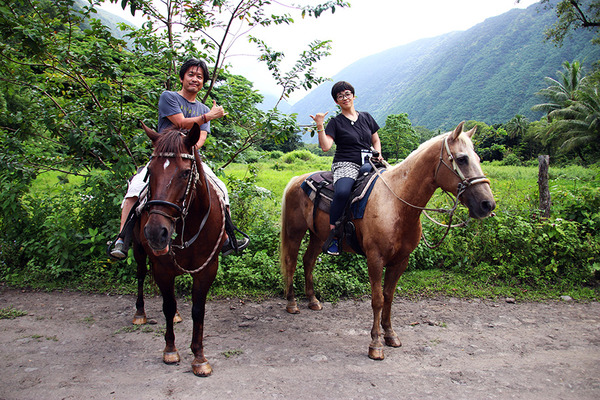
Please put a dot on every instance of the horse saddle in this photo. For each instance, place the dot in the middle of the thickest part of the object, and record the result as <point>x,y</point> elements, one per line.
<point>319,188</point>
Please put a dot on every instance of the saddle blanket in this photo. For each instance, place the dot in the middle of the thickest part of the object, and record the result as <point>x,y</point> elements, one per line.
<point>319,188</point>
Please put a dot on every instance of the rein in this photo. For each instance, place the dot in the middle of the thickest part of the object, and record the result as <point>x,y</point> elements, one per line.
<point>462,186</point>
<point>183,212</point>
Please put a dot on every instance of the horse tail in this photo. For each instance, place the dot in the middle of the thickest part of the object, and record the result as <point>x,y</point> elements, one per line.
<point>284,245</point>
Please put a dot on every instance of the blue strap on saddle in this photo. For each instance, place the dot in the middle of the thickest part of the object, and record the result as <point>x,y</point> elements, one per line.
<point>319,188</point>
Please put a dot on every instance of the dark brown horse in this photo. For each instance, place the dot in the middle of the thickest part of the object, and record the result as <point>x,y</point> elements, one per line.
<point>181,230</point>
<point>391,228</point>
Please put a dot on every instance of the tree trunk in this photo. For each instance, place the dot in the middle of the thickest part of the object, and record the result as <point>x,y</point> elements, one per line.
<point>545,202</point>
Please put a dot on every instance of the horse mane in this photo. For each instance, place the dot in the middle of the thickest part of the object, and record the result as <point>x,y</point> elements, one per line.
<point>427,144</point>
<point>171,140</point>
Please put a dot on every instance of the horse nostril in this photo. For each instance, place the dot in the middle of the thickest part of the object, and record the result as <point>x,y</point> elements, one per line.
<point>164,234</point>
<point>487,206</point>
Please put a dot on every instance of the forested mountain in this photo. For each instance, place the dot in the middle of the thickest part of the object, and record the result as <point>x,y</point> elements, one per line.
<point>488,73</point>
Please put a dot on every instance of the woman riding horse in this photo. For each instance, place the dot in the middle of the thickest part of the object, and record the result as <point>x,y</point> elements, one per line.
<point>353,133</point>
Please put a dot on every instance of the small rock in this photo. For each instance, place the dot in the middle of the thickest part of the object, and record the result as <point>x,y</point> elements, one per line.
<point>566,298</point>
<point>426,349</point>
<point>319,358</point>
<point>510,300</point>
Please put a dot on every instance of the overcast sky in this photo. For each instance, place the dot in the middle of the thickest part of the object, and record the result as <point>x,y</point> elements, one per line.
<point>367,27</point>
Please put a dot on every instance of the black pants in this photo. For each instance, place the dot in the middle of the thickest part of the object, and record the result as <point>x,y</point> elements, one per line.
<point>341,193</point>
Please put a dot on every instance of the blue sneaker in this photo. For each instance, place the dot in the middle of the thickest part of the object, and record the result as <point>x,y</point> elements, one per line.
<point>333,249</point>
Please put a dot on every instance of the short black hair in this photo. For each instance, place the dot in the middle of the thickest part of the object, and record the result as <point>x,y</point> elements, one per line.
<point>339,87</point>
<point>194,62</point>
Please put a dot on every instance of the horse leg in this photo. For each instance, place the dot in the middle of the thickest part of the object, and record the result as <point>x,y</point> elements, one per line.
<point>376,346</point>
<point>290,245</point>
<point>166,285</point>
<point>200,365</point>
<point>309,259</point>
<point>392,274</point>
<point>140,257</point>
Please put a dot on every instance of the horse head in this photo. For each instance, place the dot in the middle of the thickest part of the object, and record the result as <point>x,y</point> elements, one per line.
<point>173,172</point>
<point>459,172</point>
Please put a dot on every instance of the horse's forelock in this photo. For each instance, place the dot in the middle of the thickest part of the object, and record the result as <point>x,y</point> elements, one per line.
<point>171,141</point>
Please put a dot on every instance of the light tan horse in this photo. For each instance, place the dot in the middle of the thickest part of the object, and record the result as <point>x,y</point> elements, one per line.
<point>390,229</point>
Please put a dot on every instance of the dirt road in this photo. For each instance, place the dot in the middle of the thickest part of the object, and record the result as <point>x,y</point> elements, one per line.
<point>83,346</point>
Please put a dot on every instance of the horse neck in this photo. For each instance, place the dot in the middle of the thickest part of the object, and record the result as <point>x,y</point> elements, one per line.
<point>413,180</point>
<point>202,188</point>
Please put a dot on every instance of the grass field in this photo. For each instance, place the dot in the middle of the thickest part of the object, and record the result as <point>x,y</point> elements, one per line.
<point>256,273</point>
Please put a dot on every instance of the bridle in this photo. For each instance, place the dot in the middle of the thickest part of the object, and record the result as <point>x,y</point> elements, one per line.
<point>183,210</point>
<point>191,184</point>
<point>463,185</point>
<point>464,182</point>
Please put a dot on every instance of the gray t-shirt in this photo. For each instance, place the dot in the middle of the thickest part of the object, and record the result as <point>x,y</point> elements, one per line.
<point>171,103</point>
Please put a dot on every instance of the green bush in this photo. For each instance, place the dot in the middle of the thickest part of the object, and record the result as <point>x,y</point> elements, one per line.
<point>522,250</point>
<point>276,154</point>
<point>295,155</point>
<point>582,206</point>
<point>511,159</point>
<point>58,236</point>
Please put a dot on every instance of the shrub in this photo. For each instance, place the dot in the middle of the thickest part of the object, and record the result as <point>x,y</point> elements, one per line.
<point>513,248</point>
<point>276,154</point>
<point>303,155</point>
<point>511,159</point>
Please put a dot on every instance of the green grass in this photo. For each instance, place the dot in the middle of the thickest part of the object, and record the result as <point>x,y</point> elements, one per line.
<point>515,190</point>
<point>432,283</point>
<point>11,313</point>
<point>275,175</point>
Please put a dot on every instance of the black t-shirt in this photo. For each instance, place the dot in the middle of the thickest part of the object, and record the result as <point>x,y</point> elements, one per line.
<point>351,137</point>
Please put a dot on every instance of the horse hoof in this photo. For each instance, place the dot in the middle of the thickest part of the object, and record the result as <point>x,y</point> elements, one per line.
<point>203,369</point>
<point>292,309</point>
<point>171,357</point>
<point>177,318</point>
<point>393,341</point>
<point>316,306</point>
<point>139,319</point>
<point>376,353</point>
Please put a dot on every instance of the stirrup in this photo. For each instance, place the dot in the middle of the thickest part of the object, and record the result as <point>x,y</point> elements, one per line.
<point>331,239</point>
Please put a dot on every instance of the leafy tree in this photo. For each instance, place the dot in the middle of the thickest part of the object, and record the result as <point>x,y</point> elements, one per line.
<point>516,129</point>
<point>572,15</point>
<point>424,133</point>
<point>72,96</point>
<point>517,126</point>
<point>562,90</point>
<point>489,142</point>
<point>398,137</point>
<point>530,145</point>
<point>578,124</point>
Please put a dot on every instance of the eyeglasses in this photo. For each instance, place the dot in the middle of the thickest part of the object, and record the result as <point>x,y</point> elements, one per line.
<point>345,95</point>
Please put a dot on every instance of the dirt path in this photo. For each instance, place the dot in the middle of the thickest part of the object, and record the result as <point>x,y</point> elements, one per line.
<point>82,346</point>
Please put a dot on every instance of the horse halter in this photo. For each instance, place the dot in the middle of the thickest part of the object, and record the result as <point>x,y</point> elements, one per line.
<point>184,208</point>
<point>464,182</point>
<point>462,186</point>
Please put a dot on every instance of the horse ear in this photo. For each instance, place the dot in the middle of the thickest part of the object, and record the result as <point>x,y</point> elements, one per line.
<point>471,132</point>
<point>458,130</point>
<point>193,135</point>
<point>151,134</point>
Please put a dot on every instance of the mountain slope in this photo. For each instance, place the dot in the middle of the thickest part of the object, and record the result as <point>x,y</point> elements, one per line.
<point>488,73</point>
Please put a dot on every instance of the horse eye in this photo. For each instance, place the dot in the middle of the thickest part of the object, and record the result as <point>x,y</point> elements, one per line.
<point>462,160</point>
<point>186,173</point>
